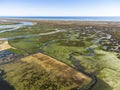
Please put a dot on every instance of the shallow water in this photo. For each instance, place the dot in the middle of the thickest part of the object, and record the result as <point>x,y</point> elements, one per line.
<point>14,27</point>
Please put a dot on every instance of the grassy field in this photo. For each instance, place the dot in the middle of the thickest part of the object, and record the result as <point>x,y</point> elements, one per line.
<point>58,51</point>
<point>105,65</point>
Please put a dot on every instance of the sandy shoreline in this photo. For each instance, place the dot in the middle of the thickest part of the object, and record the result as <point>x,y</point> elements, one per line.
<point>65,21</point>
<point>4,46</point>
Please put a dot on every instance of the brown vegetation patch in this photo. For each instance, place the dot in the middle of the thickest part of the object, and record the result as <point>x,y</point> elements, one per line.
<point>61,69</point>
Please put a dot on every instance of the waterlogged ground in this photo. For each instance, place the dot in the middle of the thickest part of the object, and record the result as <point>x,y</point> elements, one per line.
<point>79,45</point>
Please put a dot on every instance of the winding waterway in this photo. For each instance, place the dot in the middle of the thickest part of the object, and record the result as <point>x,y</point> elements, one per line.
<point>8,28</point>
<point>17,26</point>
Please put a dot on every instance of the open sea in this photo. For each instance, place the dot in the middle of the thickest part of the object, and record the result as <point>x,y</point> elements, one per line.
<point>65,18</point>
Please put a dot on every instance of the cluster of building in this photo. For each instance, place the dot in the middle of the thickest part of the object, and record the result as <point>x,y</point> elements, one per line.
<point>100,37</point>
<point>110,44</point>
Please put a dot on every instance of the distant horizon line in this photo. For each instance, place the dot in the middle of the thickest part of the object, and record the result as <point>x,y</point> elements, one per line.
<point>59,16</point>
<point>77,18</point>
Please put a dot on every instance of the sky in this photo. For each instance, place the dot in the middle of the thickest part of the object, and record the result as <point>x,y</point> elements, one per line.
<point>59,7</point>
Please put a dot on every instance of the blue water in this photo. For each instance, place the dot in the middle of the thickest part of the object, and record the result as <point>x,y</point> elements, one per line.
<point>67,18</point>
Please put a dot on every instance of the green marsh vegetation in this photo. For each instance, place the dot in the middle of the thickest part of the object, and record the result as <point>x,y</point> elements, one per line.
<point>105,65</point>
<point>35,29</point>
